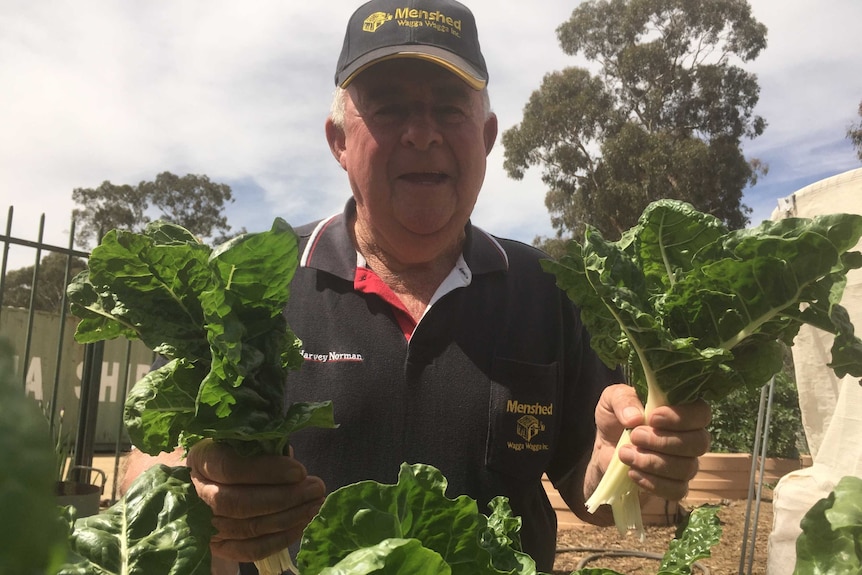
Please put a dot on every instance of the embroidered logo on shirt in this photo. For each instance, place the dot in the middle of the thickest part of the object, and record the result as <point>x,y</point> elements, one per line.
<point>332,357</point>
<point>528,426</point>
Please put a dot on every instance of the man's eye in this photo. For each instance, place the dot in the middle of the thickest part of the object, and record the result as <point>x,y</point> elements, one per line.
<point>390,113</point>
<point>450,113</point>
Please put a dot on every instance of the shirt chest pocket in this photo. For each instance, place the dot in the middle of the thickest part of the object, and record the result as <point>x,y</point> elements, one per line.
<point>523,418</point>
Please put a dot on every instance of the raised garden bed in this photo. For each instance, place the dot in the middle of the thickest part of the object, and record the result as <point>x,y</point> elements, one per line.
<point>721,477</point>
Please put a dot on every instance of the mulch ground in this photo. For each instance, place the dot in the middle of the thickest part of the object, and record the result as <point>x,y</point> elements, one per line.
<point>595,546</point>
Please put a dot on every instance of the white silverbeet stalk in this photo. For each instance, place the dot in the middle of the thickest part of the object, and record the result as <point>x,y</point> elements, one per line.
<point>616,488</point>
<point>276,564</point>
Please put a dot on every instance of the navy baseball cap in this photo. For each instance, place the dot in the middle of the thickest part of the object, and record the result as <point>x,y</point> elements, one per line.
<point>440,31</point>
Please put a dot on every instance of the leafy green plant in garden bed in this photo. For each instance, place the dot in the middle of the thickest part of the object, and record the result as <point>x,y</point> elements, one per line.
<point>831,539</point>
<point>412,528</point>
<point>731,429</point>
<point>159,526</point>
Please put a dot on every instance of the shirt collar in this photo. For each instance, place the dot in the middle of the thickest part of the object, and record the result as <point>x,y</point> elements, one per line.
<point>330,249</point>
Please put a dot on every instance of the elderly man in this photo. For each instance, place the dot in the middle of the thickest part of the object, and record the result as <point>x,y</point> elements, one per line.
<point>437,342</point>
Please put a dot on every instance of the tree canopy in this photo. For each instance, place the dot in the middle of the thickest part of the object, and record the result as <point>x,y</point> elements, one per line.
<point>50,282</point>
<point>191,201</point>
<point>854,133</point>
<point>662,116</point>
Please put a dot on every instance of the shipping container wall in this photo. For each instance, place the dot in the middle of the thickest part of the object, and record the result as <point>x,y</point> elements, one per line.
<point>124,363</point>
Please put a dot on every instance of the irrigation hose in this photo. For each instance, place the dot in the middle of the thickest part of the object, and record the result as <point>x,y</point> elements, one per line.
<point>600,552</point>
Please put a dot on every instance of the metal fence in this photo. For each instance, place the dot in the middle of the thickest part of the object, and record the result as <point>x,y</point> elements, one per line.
<point>81,388</point>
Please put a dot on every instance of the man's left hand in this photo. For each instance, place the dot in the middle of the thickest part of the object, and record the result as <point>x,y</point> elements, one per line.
<point>664,450</point>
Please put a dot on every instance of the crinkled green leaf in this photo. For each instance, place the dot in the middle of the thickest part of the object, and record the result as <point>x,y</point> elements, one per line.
<point>217,315</point>
<point>161,406</point>
<point>846,512</point>
<point>503,525</point>
<point>148,287</point>
<point>365,514</point>
<point>502,539</point>
<point>391,557</point>
<point>160,526</point>
<point>831,538</point>
<point>695,538</point>
<point>689,306</point>
<point>255,433</point>
<point>668,240</point>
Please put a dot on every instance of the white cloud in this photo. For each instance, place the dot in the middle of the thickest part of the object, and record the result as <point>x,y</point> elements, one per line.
<point>810,76</point>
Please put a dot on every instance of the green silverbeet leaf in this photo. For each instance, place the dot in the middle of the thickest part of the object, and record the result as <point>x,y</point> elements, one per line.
<point>147,290</point>
<point>161,406</point>
<point>393,557</point>
<point>217,316</point>
<point>256,433</point>
<point>366,514</point>
<point>95,312</point>
<point>160,526</point>
<point>678,294</point>
<point>502,537</point>
<point>695,539</point>
<point>667,242</point>
<point>846,513</point>
<point>831,538</point>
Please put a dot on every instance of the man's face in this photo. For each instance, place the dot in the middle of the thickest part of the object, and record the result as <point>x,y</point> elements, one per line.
<point>414,144</point>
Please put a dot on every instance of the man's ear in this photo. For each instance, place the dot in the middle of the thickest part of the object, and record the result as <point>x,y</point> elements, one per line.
<point>490,132</point>
<point>335,137</point>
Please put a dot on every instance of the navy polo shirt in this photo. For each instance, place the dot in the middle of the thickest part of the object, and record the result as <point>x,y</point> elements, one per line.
<point>495,386</point>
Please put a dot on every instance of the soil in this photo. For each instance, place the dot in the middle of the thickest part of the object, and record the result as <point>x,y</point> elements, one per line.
<point>575,545</point>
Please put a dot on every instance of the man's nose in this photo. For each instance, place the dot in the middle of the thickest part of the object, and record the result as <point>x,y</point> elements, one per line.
<point>421,130</point>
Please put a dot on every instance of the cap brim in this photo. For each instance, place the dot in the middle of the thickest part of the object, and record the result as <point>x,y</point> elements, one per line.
<point>444,58</point>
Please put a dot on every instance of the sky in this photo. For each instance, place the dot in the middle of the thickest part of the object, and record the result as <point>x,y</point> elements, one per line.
<point>101,90</point>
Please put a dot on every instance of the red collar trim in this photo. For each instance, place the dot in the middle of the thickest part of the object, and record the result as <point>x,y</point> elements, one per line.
<point>366,281</point>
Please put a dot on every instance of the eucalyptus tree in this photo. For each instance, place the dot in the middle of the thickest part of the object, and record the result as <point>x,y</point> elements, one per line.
<point>660,112</point>
<point>50,280</point>
<point>854,134</point>
<point>191,201</point>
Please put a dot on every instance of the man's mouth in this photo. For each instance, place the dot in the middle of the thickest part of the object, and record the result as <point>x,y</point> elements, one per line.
<point>427,178</point>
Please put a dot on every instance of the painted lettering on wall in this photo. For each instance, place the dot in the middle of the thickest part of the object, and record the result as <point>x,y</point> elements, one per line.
<point>38,384</point>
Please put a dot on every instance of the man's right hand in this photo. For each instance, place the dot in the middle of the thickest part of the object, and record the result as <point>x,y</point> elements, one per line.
<point>260,504</point>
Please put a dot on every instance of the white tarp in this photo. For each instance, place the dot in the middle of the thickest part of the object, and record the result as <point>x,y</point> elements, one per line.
<point>831,407</point>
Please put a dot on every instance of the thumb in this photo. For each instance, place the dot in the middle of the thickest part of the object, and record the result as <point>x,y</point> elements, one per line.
<point>619,408</point>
